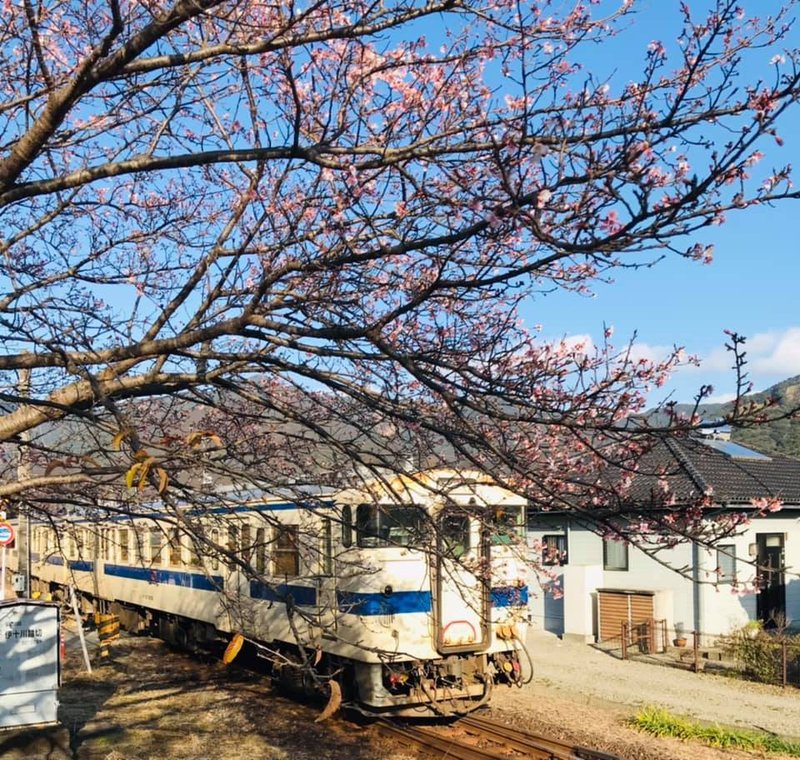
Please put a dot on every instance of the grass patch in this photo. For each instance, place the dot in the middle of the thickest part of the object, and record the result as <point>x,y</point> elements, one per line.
<point>659,722</point>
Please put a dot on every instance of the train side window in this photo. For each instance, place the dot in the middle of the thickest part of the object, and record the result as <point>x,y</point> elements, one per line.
<point>367,526</point>
<point>214,549</point>
<point>327,547</point>
<point>247,542</point>
<point>261,551</point>
<point>124,545</point>
<point>139,538</point>
<point>234,544</point>
<point>347,526</point>
<point>175,557</point>
<point>155,546</point>
<point>72,546</point>
<point>286,553</point>
<point>194,547</point>
<point>91,543</point>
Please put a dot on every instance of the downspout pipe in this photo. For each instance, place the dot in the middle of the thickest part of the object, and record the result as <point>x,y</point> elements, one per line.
<point>697,589</point>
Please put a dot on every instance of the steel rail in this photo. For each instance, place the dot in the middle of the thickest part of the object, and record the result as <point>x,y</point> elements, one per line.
<point>443,745</point>
<point>507,742</point>
<point>525,741</point>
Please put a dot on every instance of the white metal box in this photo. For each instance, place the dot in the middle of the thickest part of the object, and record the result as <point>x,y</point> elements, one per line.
<point>30,664</point>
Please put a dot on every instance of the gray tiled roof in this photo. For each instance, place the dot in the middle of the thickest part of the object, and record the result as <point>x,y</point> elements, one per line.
<point>692,469</point>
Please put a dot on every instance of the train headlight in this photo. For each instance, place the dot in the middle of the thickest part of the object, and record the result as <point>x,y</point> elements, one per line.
<point>388,590</point>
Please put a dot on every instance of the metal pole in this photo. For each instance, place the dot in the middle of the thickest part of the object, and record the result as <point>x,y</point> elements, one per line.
<point>3,576</point>
<point>79,623</point>
<point>785,659</point>
<point>23,474</point>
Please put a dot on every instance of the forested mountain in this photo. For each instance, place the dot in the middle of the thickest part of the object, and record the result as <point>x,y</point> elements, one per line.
<point>779,437</point>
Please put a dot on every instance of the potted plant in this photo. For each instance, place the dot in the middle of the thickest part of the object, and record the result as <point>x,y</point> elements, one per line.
<point>680,635</point>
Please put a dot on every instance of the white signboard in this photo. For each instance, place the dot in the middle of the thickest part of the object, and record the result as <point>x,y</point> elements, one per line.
<point>29,663</point>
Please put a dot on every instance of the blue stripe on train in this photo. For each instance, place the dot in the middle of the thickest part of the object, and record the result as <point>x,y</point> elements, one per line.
<point>302,595</point>
<point>510,596</point>
<point>73,564</point>
<point>196,581</point>
<point>418,601</point>
<point>380,604</point>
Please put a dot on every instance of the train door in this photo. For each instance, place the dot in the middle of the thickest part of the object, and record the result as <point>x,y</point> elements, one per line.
<point>326,580</point>
<point>461,599</point>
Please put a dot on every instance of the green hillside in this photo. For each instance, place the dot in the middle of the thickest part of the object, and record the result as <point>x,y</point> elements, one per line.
<point>778,437</point>
<point>781,436</point>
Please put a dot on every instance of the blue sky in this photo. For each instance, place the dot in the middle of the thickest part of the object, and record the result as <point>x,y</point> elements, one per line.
<point>751,287</point>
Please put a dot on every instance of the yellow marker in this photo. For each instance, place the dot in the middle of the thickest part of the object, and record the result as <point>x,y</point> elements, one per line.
<point>233,648</point>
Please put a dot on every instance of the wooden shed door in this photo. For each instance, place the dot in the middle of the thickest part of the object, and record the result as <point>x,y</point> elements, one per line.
<point>618,607</point>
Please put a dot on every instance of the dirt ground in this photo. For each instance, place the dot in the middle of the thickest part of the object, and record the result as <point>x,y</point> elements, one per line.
<point>150,703</point>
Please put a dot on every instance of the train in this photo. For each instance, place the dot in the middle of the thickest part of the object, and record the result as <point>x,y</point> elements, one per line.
<point>406,596</point>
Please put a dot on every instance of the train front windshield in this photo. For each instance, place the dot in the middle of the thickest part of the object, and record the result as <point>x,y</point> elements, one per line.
<point>378,526</point>
<point>508,525</point>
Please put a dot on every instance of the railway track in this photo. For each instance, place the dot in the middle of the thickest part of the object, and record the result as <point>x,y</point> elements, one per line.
<point>480,739</point>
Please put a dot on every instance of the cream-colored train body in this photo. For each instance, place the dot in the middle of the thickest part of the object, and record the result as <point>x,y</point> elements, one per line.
<point>400,594</point>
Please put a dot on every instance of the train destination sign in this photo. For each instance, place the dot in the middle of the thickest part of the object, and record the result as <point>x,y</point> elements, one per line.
<point>6,534</point>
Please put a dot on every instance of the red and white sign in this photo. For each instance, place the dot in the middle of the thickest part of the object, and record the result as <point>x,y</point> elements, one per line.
<point>6,534</point>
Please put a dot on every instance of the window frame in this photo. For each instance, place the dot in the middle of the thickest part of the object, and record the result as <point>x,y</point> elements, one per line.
<point>156,552</point>
<point>124,546</point>
<point>347,526</point>
<point>561,556</point>
<point>624,547</point>
<point>175,543</point>
<point>286,544</point>
<point>726,553</point>
<point>380,520</point>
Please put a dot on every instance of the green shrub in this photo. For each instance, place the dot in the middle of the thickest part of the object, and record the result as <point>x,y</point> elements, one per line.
<point>759,653</point>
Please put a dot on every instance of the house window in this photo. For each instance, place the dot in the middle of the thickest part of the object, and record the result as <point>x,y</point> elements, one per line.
<point>286,555</point>
<point>554,549</point>
<point>726,563</point>
<point>615,554</point>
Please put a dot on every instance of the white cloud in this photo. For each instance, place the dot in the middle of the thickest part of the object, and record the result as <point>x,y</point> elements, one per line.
<point>579,342</point>
<point>771,357</point>
<point>775,353</point>
<point>719,398</point>
<point>779,352</point>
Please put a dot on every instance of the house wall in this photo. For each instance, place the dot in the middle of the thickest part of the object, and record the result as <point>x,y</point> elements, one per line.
<point>694,598</point>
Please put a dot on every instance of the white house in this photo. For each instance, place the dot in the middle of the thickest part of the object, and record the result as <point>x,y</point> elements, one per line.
<point>688,586</point>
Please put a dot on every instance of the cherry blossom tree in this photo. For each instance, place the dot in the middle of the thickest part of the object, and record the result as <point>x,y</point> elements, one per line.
<point>281,239</point>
